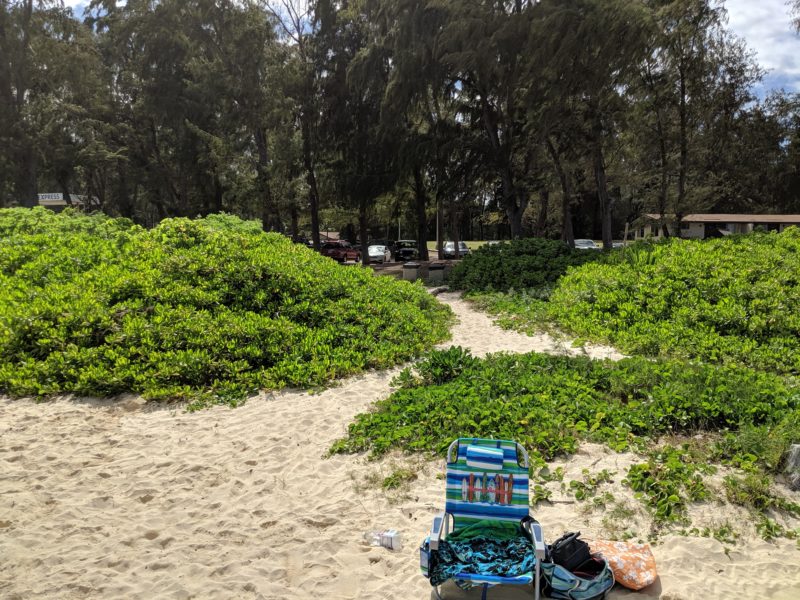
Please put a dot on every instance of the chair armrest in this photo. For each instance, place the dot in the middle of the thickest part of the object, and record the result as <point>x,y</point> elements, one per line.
<point>534,531</point>
<point>439,527</point>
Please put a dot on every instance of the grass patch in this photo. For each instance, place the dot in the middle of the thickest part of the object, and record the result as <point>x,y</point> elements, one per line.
<point>208,310</point>
<point>398,479</point>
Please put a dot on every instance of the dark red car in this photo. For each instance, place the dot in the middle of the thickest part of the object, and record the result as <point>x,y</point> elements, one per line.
<point>340,251</point>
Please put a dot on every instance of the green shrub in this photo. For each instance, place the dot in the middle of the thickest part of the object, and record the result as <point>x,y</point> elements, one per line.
<point>518,265</point>
<point>398,479</point>
<point>549,403</point>
<point>666,481</point>
<point>754,491</point>
<point>763,446</point>
<point>205,309</point>
<point>728,300</point>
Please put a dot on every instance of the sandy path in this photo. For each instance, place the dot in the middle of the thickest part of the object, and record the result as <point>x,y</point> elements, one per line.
<point>476,331</point>
<point>102,500</point>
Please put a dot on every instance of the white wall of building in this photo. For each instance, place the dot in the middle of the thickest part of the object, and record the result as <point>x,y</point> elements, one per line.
<point>693,231</point>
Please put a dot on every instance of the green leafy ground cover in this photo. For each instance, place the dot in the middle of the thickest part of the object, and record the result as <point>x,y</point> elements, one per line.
<point>728,300</point>
<point>517,265</point>
<point>551,403</point>
<point>203,310</point>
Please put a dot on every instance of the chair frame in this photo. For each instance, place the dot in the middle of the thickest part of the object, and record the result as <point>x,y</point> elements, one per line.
<point>441,526</point>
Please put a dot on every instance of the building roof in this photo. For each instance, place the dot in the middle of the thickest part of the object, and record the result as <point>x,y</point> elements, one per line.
<point>58,199</point>
<point>732,218</point>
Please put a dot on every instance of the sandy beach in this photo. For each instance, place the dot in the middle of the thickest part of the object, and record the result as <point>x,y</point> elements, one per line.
<point>102,499</point>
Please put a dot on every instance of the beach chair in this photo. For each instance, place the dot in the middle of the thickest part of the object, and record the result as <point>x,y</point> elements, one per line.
<point>487,482</point>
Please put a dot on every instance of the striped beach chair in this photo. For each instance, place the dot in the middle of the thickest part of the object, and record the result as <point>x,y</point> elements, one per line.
<point>487,480</point>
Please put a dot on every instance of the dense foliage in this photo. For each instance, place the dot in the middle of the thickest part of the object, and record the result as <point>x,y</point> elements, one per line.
<point>549,403</point>
<point>211,308</point>
<point>734,299</point>
<point>728,300</point>
<point>517,265</point>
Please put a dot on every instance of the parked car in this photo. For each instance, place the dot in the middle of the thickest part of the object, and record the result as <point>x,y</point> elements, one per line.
<point>586,245</point>
<point>379,253</point>
<point>340,251</point>
<point>449,250</point>
<point>405,250</point>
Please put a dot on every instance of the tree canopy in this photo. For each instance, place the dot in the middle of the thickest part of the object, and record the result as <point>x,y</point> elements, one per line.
<point>386,118</point>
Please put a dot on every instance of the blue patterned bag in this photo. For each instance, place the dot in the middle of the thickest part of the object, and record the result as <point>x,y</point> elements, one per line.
<point>593,581</point>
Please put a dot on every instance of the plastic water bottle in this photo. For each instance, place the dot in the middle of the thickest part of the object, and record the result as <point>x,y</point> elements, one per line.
<point>388,538</point>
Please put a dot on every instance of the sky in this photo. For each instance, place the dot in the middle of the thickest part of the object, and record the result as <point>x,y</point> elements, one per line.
<point>766,27</point>
<point>764,24</point>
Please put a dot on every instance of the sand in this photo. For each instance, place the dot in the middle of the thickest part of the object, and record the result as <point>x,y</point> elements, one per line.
<point>102,499</point>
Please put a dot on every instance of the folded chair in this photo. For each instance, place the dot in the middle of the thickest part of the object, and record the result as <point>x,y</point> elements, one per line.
<point>487,485</point>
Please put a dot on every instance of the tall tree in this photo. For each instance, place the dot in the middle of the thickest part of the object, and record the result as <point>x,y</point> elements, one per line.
<point>360,145</point>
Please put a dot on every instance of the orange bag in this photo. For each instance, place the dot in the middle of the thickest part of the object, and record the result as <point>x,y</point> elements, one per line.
<point>634,565</point>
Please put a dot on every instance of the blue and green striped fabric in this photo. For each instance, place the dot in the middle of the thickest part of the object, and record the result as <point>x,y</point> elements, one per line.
<point>489,493</point>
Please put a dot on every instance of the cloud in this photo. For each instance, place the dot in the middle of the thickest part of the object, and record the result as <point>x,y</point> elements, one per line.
<point>766,27</point>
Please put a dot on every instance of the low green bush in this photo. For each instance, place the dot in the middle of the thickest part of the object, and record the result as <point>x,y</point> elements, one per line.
<point>728,300</point>
<point>518,264</point>
<point>549,403</point>
<point>204,310</point>
<point>667,481</point>
<point>734,299</point>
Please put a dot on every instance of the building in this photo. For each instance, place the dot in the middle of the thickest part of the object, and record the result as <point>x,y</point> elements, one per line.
<point>701,226</point>
<point>57,203</point>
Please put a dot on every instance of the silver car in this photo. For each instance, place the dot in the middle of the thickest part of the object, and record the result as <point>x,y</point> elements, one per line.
<point>379,254</point>
<point>586,245</point>
<point>449,250</point>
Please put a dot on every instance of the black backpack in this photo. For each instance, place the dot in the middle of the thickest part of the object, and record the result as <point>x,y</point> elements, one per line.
<point>572,573</point>
<point>569,551</point>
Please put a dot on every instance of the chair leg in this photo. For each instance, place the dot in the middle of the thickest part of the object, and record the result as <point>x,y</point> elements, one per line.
<point>485,591</point>
<point>537,581</point>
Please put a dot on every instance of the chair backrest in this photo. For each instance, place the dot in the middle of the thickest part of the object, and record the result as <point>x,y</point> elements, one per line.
<point>486,480</point>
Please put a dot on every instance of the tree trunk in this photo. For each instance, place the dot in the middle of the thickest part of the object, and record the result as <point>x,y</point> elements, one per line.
<point>567,233</point>
<point>311,180</point>
<point>514,210</point>
<point>422,218</point>
<point>662,195</point>
<point>439,226</point>
<point>544,208</point>
<point>601,179</point>
<point>363,231</point>
<point>262,170</point>
<point>216,207</point>
<point>295,219</point>
<point>512,203</point>
<point>64,185</point>
<point>454,226</point>
<point>123,199</point>
<point>29,191</point>
<point>684,143</point>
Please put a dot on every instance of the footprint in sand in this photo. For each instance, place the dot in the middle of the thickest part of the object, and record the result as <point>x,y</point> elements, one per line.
<point>323,523</point>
